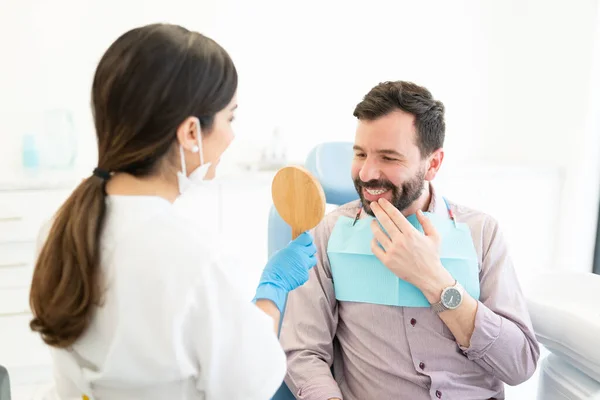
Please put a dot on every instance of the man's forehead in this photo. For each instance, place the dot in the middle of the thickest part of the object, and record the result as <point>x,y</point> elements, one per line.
<point>377,141</point>
<point>394,128</point>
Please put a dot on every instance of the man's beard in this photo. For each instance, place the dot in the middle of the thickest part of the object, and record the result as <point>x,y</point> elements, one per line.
<point>402,196</point>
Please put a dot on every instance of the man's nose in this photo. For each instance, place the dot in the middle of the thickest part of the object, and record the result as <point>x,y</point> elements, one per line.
<point>369,171</point>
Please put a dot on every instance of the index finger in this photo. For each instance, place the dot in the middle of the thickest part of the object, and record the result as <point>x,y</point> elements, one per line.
<point>388,225</point>
<point>396,216</point>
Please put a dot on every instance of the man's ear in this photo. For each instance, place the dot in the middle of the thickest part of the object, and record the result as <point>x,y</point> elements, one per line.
<point>188,133</point>
<point>434,163</point>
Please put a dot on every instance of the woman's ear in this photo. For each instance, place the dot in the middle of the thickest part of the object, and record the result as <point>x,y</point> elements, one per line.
<point>188,134</point>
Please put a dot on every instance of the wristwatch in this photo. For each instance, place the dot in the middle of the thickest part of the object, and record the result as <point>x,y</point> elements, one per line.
<point>452,298</point>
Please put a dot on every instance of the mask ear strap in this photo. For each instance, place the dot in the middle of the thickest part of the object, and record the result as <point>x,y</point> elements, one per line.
<point>183,168</point>
<point>200,149</point>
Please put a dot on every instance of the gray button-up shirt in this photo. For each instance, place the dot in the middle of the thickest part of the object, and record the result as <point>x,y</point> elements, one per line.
<point>386,352</point>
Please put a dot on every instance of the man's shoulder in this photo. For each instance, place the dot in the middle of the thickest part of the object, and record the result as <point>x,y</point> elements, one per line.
<point>346,210</point>
<point>485,229</point>
<point>472,216</point>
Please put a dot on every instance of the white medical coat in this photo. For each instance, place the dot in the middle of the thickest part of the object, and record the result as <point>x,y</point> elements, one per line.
<point>171,324</point>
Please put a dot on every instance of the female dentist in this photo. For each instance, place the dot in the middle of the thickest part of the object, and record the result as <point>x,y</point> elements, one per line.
<point>129,295</point>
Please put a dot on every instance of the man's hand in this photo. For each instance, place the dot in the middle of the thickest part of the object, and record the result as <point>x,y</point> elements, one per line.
<point>414,257</point>
<point>409,254</point>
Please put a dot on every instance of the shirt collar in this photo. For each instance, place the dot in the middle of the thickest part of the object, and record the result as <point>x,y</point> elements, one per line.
<point>437,205</point>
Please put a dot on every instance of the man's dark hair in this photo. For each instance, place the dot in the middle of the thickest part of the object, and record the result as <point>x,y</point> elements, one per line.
<point>416,100</point>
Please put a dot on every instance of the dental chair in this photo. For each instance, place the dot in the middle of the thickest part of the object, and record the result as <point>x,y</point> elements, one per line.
<point>330,164</point>
<point>566,320</point>
<point>4,384</point>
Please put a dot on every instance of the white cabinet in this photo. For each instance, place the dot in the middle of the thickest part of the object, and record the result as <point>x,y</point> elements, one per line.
<point>24,207</point>
<point>16,260</point>
<point>23,211</point>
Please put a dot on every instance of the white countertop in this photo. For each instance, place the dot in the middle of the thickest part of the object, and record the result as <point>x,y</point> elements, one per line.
<point>38,180</point>
<point>60,180</point>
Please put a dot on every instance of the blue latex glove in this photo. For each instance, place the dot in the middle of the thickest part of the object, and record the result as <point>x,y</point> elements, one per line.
<point>286,270</point>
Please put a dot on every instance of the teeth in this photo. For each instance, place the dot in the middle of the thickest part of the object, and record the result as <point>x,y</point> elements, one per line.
<point>376,192</point>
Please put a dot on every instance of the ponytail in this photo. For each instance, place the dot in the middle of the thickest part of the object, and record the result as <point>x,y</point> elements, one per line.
<point>65,286</point>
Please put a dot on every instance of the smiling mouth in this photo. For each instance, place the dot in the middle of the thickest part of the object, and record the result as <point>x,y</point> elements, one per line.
<point>376,192</point>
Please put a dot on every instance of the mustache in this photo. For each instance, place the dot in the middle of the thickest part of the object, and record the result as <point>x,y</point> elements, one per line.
<point>374,184</point>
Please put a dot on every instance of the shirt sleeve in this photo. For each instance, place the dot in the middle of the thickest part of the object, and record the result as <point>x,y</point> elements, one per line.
<point>309,326</point>
<point>503,342</point>
<point>236,347</point>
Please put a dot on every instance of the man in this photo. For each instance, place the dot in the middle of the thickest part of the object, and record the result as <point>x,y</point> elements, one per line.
<point>460,348</point>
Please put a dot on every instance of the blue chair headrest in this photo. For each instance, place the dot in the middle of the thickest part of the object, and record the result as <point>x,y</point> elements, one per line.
<point>330,163</point>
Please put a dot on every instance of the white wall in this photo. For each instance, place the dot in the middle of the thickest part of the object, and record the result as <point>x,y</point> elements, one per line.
<point>515,76</point>
<point>579,211</point>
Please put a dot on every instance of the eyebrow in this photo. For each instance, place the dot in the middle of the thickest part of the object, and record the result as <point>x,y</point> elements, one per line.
<point>388,152</point>
<point>233,108</point>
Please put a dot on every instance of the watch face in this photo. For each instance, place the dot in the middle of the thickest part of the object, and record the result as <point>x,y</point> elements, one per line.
<point>451,298</point>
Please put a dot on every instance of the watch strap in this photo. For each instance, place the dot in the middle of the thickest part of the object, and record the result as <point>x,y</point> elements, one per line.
<point>439,306</point>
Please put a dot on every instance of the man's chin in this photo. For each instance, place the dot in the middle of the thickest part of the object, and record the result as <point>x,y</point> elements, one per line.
<point>369,211</point>
<point>367,202</point>
<point>366,205</point>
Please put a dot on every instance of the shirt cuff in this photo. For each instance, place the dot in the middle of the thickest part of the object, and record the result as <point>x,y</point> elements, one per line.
<point>320,388</point>
<point>488,326</point>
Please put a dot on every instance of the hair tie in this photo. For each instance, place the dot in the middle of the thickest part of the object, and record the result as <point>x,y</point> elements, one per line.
<point>102,174</point>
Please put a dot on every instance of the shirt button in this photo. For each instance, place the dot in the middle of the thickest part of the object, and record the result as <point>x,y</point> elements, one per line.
<point>421,365</point>
<point>438,394</point>
<point>413,322</point>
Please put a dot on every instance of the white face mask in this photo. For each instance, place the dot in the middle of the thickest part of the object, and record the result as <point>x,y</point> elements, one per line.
<point>195,195</point>
<point>197,176</point>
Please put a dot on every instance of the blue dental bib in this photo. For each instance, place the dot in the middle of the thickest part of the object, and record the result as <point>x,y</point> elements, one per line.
<point>359,276</point>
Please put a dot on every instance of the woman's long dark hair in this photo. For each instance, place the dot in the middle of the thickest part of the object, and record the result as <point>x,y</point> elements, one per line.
<point>147,83</point>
